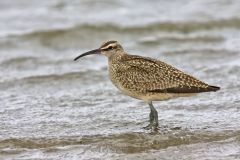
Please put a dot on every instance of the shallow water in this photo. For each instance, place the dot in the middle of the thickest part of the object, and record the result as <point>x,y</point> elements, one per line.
<point>55,108</point>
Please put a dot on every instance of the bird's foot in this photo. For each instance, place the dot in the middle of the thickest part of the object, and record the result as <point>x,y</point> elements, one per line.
<point>148,127</point>
<point>151,126</point>
<point>155,129</point>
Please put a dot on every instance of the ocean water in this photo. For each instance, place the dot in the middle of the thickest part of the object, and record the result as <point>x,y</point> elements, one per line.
<point>55,108</point>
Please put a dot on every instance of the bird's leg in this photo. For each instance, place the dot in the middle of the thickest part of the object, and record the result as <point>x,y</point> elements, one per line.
<point>151,119</point>
<point>153,116</point>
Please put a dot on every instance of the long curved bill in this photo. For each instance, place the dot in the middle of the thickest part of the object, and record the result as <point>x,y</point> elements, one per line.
<point>95,51</point>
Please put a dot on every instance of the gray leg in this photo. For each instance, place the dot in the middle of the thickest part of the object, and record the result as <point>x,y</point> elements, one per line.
<point>153,116</point>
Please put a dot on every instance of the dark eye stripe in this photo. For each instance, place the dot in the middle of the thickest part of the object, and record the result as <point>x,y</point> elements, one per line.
<point>109,48</point>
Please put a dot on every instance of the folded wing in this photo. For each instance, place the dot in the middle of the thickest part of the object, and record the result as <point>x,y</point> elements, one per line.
<point>148,75</point>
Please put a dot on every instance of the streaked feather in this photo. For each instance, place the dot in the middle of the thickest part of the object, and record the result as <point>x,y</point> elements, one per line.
<point>143,74</point>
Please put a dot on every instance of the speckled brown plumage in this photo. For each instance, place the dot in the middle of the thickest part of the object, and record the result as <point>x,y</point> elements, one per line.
<point>146,78</point>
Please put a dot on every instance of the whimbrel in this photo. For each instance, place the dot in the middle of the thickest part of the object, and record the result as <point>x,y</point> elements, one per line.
<point>147,79</point>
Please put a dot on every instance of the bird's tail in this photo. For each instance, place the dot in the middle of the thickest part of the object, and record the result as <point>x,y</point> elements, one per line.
<point>213,88</point>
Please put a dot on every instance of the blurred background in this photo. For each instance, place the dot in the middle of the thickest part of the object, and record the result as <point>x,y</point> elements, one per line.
<point>55,108</point>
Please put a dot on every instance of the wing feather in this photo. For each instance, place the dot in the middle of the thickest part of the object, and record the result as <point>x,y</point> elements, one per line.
<point>148,75</point>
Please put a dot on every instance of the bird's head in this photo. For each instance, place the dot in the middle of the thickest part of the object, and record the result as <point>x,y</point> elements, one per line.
<point>108,49</point>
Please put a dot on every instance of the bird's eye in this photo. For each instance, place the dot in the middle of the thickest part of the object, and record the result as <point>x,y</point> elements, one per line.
<point>109,48</point>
